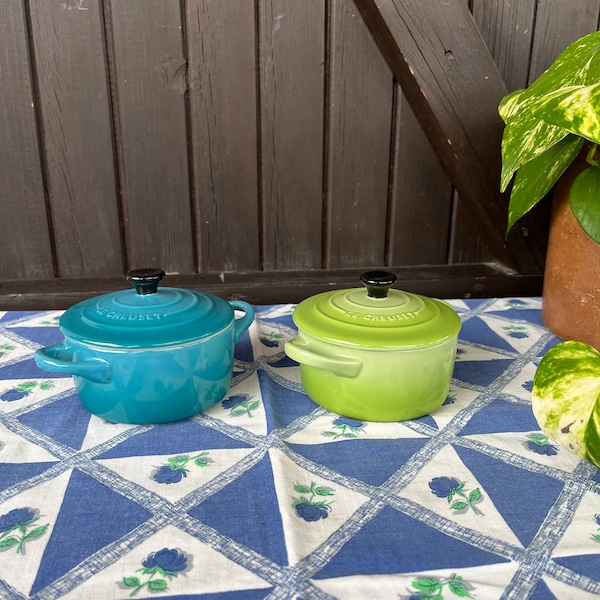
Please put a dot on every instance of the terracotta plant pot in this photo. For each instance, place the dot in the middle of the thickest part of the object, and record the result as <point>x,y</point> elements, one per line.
<point>571,295</point>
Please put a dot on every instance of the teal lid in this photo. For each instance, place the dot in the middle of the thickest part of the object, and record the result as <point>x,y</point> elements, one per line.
<point>376,316</point>
<point>147,316</point>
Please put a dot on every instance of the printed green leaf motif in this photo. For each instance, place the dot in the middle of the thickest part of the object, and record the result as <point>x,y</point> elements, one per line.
<point>536,178</point>
<point>37,532</point>
<point>323,491</point>
<point>8,542</point>
<point>459,505</point>
<point>584,200</point>
<point>574,108</point>
<point>301,489</point>
<point>458,588</point>
<point>131,581</point>
<point>157,585</point>
<point>474,495</point>
<point>427,584</point>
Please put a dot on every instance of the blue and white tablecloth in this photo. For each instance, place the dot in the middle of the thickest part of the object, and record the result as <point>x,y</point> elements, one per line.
<point>268,495</point>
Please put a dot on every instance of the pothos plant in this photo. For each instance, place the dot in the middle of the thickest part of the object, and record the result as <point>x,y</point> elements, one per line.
<point>548,125</point>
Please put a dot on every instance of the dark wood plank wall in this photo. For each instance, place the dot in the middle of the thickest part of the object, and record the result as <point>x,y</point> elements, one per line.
<point>260,149</point>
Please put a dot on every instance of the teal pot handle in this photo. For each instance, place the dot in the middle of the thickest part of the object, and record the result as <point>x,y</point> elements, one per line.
<point>59,359</point>
<point>301,353</point>
<point>241,325</point>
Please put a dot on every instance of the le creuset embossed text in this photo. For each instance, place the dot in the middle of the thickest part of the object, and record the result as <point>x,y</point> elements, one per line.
<point>150,354</point>
<point>375,353</point>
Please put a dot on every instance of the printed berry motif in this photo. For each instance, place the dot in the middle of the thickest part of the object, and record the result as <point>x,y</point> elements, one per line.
<point>540,444</point>
<point>596,536</point>
<point>432,587</point>
<point>516,331</point>
<point>311,508</point>
<point>449,488</point>
<point>165,563</point>
<point>451,399</point>
<point>240,405</point>
<point>175,471</point>
<point>345,428</point>
<point>15,528</point>
<point>516,303</point>
<point>24,389</point>
<point>271,340</point>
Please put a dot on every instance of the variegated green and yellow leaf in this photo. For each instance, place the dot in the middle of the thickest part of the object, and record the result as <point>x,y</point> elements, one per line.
<point>565,398</point>
<point>536,178</point>
<point>525,137</point>
<point>510,104</point>
<point>574,108</point>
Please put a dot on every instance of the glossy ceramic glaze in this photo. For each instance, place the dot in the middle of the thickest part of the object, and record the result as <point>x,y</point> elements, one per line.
<point>375,354</point>
<point>142,370</point>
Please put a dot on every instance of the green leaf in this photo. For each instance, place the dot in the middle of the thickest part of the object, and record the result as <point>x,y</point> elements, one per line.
<point>474,495</point>
<point>323,491</point>
<point>536,178</point>
<point>459,505</point>
<point>237,413</point>
<point>574,108</point>
<point>157,585</point>
<point>427,584</point>
<point>37,532</point>
<point>458,589</point>
<point>301,489</point>
<point>8,542</point>
<point>510,104</point>
<point>254,405</point>
<point>584,196</point>
<point>525,137</point>
<point>178,460</point>
<point>131,581</point>
<point>201,462</point>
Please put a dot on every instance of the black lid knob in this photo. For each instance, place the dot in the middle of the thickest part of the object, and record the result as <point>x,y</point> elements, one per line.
<point>145,281</point>
<point>378,283</point>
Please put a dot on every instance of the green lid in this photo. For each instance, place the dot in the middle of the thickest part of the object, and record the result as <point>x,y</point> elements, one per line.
<point>377,316</point>
<point>147,316</point>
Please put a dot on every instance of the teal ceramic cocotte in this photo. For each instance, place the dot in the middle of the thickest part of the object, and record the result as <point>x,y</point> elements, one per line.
<point>149,354</point>
<point>375,353</point>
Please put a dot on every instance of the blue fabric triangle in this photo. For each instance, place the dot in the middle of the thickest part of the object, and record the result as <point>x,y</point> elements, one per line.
<point>282,405</point>
<point>13,473</point>
<point>173,438</point>
<point>480,372</point>
<point>243,349</point>
<point>28,369</point>
<point>393,542</point>
<point>91,516</point>
<point>531,315</point>
<point>361,459</point>
<point>585,564</point>
<point>247,511</point>
<point>523,513</point>
<point>541,592</point>
<point>476,330</point>
<point>64,420</point>
<point>501,416</point>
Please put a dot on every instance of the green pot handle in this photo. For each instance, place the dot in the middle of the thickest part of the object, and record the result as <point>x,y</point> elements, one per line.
<point>301,353</point>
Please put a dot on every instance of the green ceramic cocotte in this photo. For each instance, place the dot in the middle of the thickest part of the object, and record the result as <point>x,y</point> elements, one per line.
<point>375,353</point>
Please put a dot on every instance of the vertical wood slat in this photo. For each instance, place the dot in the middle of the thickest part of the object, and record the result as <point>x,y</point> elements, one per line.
<point>150,83</point>
<point>26,246</point>
<point>507,29</point>
<point>76,119</point>
<point>422,197</point>
<point>360,100</point>
<point>222,81</point>
<point>291,56</point>
<point>558,24</point>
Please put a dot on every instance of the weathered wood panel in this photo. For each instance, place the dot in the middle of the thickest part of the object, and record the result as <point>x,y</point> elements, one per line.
<point>359,137</point>
<point>149,70</point>
<point>76,123</point>
<point>223,83</point>
<point>291,56</point>
<point>24,234</point>
<point>557,24</point>
<point>422,196</point>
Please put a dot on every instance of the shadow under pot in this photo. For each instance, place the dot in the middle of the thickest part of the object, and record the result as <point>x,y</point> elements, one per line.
<point>150,354</point>
<point>375,353</point>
